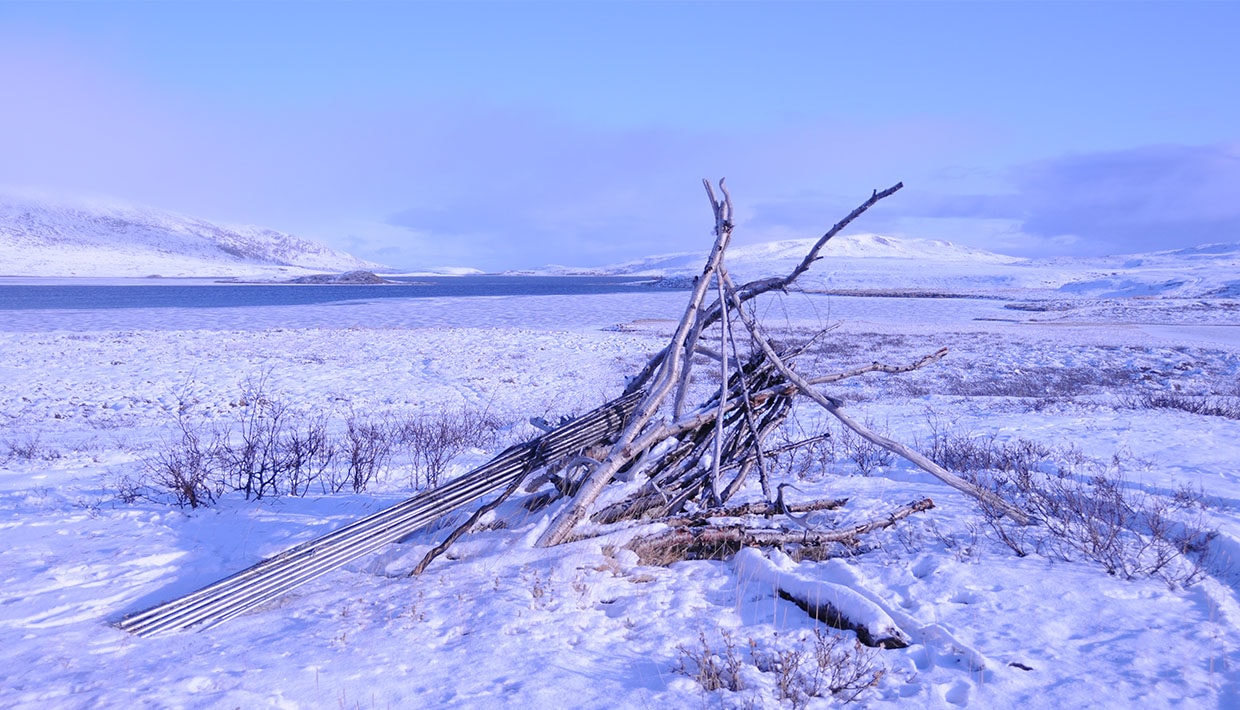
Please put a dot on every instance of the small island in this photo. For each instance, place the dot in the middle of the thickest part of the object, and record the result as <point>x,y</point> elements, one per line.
<point>347,278</point>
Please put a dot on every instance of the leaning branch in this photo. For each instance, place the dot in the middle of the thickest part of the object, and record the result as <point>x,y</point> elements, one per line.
<point>879,367</point>
<point>623,452</point>
<point>756,288</point>
<point>832,405</point>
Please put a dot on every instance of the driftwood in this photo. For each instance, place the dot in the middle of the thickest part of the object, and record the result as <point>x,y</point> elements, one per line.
<point>748,406</point>
<point>682,464</point>
<point>717,542</point>
<point>707,452</point>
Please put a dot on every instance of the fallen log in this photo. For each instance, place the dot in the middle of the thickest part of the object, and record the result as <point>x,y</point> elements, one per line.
<point>718,542</point>
<point>835,605</point>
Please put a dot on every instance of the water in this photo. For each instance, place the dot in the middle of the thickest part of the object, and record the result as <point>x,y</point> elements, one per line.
<point>204,294</point>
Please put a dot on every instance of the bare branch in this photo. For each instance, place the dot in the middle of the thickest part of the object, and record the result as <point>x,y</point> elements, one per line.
<point>719,542</point>
<point>668,374</point>
<point>879,367</point>
<point>723,388</point>
<point>833,405</point>
<point>757,288</point>
<point>467,526</point>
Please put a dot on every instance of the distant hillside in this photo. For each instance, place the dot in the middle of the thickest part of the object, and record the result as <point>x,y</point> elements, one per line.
<point>40,238</point>
<point>791,251</point>
<point>874,262</point>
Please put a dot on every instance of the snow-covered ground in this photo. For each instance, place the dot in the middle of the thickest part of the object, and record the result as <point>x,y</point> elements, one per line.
<point>87,396</point>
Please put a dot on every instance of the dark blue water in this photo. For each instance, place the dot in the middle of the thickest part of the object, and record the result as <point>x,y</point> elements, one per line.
<point>231,295</point>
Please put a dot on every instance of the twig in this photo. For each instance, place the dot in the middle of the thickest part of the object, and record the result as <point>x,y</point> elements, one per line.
<point>469,524</point>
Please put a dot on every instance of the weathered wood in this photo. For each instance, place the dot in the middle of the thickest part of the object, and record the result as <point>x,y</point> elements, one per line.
<point>276,575</point>
<point>763,508</point>
<point>836,619</point>
<point>756,288</point>
<point>717,542</point>
<point>635,438</point>
<point>833,406</point>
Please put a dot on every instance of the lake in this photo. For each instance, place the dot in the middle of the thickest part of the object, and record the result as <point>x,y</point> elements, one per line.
<point>205,294</point>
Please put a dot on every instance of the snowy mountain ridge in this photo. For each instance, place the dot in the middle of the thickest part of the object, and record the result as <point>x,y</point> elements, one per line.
<point>41,238</point>
<point>878,262</point>
<point>45,238</point>
<point>852,246</point>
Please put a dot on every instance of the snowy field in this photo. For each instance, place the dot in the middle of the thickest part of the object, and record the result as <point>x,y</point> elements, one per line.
<point>88,398</point>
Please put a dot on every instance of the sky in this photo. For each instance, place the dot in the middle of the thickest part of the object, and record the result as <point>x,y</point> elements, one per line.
<point>516,135</point>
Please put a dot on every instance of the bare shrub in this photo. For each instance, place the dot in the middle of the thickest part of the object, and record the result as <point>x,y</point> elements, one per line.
<point>367,450</point>
<point>29,448</point>
<point>1227,407</point>
<point>187,469</point>
<point>865,454</point>
<point>785,665</point>
<point>252,456</point>
<point>808,455</point>
<point>972,453</point>
<point>308,455</point>
<point>1079,508</point>
<point>269,449</point>
<point>823,665</point>
<point>435,440</point>
<point>1131,534</point>
<point>838,666</point>
<point>266,450</point>
<point>710,669</point>
<point>1038,386</point>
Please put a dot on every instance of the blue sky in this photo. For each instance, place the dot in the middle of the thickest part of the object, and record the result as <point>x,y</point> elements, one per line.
<point>513,135</point>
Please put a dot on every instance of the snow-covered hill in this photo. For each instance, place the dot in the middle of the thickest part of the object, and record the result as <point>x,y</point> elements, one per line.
<point>791,251</point>
<point>875,262</point>
<point>42,238</point>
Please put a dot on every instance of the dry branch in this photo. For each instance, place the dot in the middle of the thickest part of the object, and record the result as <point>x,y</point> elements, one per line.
<point>714,542</point>
<point>727,431</point>
<point>468,524</point>
<point>624,451</point>
<point>756,288</point>
<point>832,405</point>
<point>879,367</point>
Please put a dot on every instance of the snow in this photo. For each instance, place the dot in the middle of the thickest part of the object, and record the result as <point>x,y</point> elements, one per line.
<point>887,263</point>
<point>46,238</point>
<point>87,396</point>
<point>779,572</point>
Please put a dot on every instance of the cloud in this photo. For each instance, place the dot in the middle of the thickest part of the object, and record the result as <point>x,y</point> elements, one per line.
<point>536,190</point>
<point>1141,199</point>
<point>416,181</point>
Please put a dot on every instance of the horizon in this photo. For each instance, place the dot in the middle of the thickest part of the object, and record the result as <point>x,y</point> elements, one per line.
<point>511,136</point>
